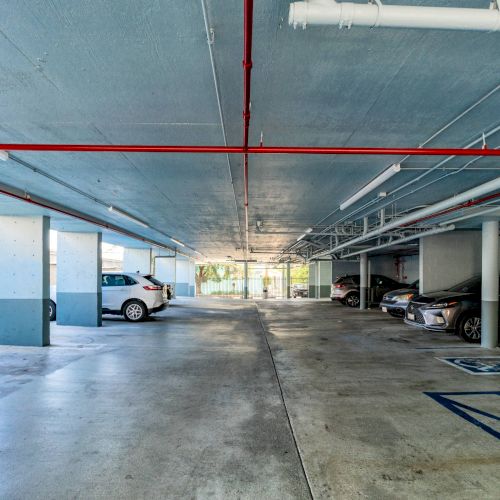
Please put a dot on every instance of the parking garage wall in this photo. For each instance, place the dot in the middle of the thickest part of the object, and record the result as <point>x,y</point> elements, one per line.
<point>448,259</point>
<point>404,268</point>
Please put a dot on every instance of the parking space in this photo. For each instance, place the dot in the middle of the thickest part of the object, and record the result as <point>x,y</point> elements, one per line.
<point>191,398</point>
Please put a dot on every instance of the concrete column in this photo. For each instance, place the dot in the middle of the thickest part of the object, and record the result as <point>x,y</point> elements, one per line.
<point>363,281</point>
<point>79,279</point>
<point>137,260</point>
<point>489,292</point>
<point>313,276</point>
<point>288,281</point>
<point>192,278</point>
<point>24,281</point>
<point>324,279</point>
<point>245,280</point>
<point>182,276</point>
<point>164,269</point>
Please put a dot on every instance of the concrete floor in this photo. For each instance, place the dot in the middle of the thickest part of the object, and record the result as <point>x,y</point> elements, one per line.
<point>188,405</point>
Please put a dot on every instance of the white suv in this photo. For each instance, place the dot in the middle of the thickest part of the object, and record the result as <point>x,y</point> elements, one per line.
<point>132,295</point>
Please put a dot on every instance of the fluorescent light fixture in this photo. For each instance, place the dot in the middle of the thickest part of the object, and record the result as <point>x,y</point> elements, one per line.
<point>4,155</point>
<point>302,236</point>
<point>177,242</point>
<point>380,179</point>
<point>127,216</point>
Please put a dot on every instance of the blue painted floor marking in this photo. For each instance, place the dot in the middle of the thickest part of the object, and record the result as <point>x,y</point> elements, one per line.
<point>458,408</point>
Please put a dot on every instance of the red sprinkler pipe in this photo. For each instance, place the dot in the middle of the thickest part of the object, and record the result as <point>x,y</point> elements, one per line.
<point>95,222</point>
<point>247,78</point>
<point>298,150</point>
<point>467,204</point>
<point>247,66</point>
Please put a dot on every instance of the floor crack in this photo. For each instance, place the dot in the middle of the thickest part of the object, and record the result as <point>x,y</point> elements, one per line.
<point>292,431</point>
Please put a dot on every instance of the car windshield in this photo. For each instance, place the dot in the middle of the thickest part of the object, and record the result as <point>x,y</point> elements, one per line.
<point>472,285</point>
<point>153,280</point>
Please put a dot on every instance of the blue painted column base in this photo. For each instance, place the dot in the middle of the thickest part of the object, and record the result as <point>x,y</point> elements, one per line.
<point>79,309</point>
<point>24,322</point>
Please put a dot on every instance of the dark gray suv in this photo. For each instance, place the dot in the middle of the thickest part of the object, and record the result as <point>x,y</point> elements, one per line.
<point>346,288</point>
<point>457,310</point>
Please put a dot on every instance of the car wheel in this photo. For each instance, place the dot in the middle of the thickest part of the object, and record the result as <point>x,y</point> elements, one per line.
<point>52,310</point>
<point>470,328</point>
<point>135,311</point>
<point>352,300</point>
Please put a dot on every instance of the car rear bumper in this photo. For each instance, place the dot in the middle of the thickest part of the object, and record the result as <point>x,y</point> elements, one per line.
<point>158,308</point>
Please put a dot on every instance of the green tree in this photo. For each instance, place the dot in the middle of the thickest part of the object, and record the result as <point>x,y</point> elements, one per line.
<point>300,274</point>
<point>205,272</point>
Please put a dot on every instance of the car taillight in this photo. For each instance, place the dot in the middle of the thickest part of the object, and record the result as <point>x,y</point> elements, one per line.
<point>152,287</point>
<point>339,286</point>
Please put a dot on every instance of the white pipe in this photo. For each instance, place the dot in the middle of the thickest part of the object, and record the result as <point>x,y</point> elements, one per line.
<point>210,42</point>
<point>380,179</point>
<point>382,217</point>
<point>470,194</point>
<point>479,213</point>
<point>415,236</point>
<point>347,14</point>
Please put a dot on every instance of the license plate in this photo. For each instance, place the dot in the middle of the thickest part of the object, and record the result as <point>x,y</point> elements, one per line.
<point>384,309</point>
<point>411,316</point>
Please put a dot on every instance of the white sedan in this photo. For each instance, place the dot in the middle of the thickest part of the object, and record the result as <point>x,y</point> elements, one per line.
<point>131,295</point>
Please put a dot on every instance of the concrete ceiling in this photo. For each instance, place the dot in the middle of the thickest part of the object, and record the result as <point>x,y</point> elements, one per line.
<point>139,72</point>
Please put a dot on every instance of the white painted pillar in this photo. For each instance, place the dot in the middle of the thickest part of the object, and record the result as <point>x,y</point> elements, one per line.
<point>137,260</point>
<point>245,280</point>
<point>489,292</point>
<point>192,278</point>
<point>24,281</point>
<point>79,279</point>
<point>181,277</point>
<point>313,276</point>
<point>324,281</point>
<point>363,281</point>
<point>164,269</point>
<point>288,281</point>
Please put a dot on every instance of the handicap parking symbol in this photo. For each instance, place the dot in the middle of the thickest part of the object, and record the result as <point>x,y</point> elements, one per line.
<point>476,366</point>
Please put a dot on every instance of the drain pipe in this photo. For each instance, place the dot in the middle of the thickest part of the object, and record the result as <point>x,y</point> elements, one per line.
<point>375,14</point>
<point>427,212</point>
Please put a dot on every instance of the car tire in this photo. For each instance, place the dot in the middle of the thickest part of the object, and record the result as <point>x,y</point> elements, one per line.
<point>134,311</point>
<point>352,300</point>
<point>470,328</point>
<point>52,310</point>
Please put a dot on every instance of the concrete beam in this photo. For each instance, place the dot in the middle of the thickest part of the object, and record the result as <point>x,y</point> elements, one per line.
<point>24,281</point>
